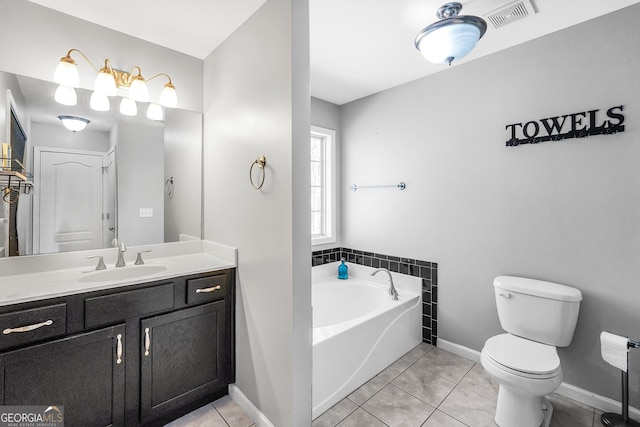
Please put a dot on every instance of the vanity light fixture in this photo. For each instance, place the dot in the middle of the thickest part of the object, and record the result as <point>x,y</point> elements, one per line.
<point>128,107</point>
<point>108,80</point>
<point>73,123</point>
<point>451,38</point>
<point>155,112</point>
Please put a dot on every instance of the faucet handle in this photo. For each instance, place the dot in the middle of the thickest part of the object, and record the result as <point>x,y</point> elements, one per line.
<point>139,260</point>
<point>121,246</point>
<point>100,265</point>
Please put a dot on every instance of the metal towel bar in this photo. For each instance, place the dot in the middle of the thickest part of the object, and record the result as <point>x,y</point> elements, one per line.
<point>400,186</point>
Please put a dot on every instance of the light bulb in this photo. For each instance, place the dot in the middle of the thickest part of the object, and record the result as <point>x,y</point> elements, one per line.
<point>66,73</point>
<point>168,96</point>
<point>128,107</point>
<point>99,102</point>
<point>138,90</point>
<point>105,83</point>
<point>66,95</point>
<point>154,112</point>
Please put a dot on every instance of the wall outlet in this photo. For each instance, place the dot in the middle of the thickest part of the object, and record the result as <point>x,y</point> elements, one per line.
<point>145,212</point>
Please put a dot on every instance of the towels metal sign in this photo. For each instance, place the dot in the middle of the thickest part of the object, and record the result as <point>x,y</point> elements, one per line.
<point>576,125</point>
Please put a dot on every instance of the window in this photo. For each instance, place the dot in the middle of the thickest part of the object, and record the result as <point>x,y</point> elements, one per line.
<point>323,193</point>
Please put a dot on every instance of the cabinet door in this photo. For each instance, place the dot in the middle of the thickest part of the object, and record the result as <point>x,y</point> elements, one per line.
<point>83,373</point>
<point>185,355</point>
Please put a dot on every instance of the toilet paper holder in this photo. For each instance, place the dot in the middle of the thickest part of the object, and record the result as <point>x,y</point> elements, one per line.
<point>610,419</point>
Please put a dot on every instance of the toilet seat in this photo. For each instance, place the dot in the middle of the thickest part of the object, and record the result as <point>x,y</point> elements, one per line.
<point>522,357</point>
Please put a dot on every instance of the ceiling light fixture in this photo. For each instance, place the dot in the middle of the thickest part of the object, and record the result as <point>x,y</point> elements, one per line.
<point>451,38</point>
<point>107,81</point>
<point>74,124</point>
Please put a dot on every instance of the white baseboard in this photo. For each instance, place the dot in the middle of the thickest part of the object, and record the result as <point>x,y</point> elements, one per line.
<point>248,407</point>
<point>583,396</point>
<point>458,349</point>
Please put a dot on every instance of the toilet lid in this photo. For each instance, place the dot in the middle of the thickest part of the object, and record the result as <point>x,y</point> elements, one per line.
<point>519,354</point>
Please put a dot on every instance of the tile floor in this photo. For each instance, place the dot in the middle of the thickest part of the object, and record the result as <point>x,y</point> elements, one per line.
<point>427,387</point>
<point>224,412</point>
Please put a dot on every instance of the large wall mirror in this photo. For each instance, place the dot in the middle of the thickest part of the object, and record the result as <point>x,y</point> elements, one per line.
<point>125,177</point>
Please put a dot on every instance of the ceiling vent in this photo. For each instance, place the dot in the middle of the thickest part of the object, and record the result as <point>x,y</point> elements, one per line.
<point>509,13</point>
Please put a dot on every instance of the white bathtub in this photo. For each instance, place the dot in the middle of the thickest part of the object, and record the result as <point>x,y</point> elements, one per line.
<point>358,329</point>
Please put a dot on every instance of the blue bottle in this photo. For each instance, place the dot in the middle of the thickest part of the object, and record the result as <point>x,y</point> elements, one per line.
<point>343,271</point>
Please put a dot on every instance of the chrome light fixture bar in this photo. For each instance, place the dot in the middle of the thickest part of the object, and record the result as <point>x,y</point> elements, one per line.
<point>451,38</point>
<point>107,81</point>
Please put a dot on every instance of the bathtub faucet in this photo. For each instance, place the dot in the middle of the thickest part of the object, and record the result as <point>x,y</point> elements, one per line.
<point>392,289</point>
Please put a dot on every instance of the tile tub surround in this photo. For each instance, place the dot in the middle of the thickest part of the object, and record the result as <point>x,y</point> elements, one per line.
<point>427,271</point>
<point>431,387</point>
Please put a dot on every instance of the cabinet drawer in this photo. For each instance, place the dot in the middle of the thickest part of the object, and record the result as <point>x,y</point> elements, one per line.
<point>27,326</point>
<point>112,308</point>
<point>210,288</point>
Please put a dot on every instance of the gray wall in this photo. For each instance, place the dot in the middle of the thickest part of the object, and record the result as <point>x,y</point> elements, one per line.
<point>563,211</point>
<point>57,136</point>
<point>183,162</point>
<point>256,98</point>
<point>140,173</point>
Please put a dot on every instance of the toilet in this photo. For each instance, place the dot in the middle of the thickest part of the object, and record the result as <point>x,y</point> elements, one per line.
<point>537,317</point>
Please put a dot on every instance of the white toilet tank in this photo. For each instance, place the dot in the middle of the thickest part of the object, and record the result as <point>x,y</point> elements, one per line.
<point>537,310</point>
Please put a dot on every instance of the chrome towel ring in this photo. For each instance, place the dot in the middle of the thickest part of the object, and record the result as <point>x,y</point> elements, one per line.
<point>261,161</point>
<point>168,187</point>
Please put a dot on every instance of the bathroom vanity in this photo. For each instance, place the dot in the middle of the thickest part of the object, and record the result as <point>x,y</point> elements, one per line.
<point>126,351</point>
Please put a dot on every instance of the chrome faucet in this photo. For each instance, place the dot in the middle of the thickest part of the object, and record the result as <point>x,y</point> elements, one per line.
<point>121,250</point>
<point>392,289</point>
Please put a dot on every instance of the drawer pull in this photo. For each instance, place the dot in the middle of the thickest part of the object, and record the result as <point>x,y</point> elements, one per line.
<point>119,349</point>
<point>28,327</point>
<point>147,341</point>
<point>211,289</point>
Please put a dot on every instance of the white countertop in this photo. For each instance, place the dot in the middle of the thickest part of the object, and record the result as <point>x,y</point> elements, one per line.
<point>31,278</point>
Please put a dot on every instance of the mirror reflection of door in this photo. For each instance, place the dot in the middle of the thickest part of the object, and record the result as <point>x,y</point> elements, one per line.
<point>68,214</point>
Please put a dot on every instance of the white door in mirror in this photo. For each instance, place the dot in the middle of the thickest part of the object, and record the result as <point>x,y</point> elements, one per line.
<point>68,200</point>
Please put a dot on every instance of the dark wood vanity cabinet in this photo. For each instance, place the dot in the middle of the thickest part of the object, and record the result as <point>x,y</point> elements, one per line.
<point>184,358</point>
<point>80,373</point>
<point>128,356</point>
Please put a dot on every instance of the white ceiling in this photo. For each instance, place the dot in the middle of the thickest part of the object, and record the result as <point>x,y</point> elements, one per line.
<point>194,27</point>
<point>358,47</point>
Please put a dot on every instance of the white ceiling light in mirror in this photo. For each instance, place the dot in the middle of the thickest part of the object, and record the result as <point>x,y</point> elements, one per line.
<point>451,38</point>
<point>74,124</point>
<point>108,80</point>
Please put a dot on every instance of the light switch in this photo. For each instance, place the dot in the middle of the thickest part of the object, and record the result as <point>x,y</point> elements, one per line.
<point>145,213</point>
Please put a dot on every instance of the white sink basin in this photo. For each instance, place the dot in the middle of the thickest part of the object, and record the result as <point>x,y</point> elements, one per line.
<point>123,273</point>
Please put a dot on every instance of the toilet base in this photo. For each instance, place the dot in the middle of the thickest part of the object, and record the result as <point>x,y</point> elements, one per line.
<point>522,410</point>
